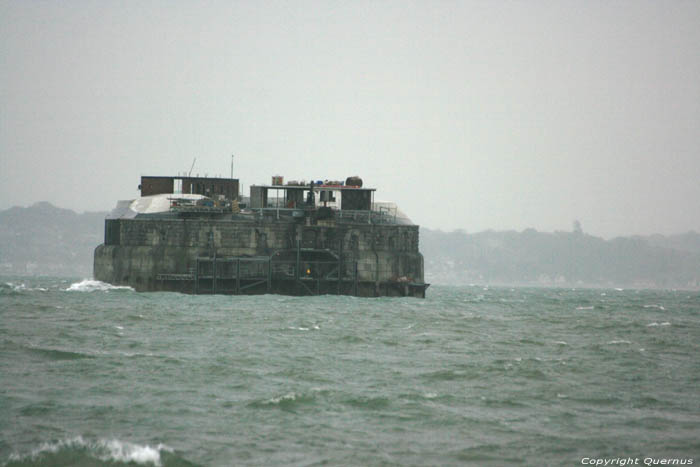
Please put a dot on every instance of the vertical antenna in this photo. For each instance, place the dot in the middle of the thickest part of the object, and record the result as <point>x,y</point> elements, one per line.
<point>231,165</point>
<point>190,174</point>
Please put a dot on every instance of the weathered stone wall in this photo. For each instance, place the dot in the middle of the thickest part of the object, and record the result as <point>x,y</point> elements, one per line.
<point>148,247</point>
<point>246,237</point>
<point>266,234</point>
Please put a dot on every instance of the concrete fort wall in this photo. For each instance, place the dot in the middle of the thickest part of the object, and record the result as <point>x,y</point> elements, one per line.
<point>136,251</point>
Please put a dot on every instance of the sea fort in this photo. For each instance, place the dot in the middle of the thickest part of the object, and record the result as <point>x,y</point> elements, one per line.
<point>198,235</point>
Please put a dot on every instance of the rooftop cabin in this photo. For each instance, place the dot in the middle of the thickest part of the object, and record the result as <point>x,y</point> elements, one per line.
<point>295,195</point>
<point>329,199</point>
<point>226,188</point>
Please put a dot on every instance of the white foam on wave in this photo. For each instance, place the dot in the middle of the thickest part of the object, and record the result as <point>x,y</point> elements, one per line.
<point>106,450</point>
<point>665,323</point>
<point>90,285</point>
<point>276,400</point>
<point>620,341</point>
<point>584,307</point>
<point>23,287</point>
<point>304,328</point>
<point>129,452</point>
<point>658,307</point>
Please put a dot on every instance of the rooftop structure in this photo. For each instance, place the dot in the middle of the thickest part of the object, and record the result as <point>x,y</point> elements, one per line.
<point>205,186</point>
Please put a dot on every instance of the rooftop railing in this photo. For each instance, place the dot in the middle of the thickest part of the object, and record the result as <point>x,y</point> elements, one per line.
<point>379,215</point>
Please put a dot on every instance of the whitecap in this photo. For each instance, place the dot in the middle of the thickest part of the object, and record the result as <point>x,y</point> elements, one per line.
<point>23,287</point>
<point>665,324</point>
<point>128,452</point>
<point>89,285</point>
<point>16,287</point>
<point>658,307</point>
<point>619,290</point>
<point>287,397</point>
<point>653,324</point>
<point>106,450</point>
<point>620,341</point>
<point>430,395</point>
<point>561,342</point>
<point>584,307</point>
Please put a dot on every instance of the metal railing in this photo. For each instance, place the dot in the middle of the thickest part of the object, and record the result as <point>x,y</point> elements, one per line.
<point>235,275</point>
<point>378,215</point>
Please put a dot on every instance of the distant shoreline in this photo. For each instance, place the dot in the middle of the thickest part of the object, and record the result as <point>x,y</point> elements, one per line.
<point>46,241</point>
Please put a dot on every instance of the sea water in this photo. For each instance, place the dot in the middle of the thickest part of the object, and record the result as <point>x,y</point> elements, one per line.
<point>92,374</point>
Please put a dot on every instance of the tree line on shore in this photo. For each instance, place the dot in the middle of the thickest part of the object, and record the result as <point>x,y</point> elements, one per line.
<point>562,258</point>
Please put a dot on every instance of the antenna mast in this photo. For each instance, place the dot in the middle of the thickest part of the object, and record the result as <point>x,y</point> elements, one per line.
<point>190,174</point>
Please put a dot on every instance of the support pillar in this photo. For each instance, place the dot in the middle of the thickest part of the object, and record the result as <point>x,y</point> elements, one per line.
<point>269,275</point>
<point>213,274</point>
<point>196,276</point>
<point>238,276</point>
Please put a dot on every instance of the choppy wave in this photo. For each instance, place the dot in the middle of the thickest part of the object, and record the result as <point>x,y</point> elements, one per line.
<point>21,287</point>
<point>78,451</point>
<point>57,354</point>
<point>89,285</point>
<point>288,401</point>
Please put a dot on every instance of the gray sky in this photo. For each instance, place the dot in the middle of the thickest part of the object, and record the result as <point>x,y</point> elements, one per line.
<point>472,115</point>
